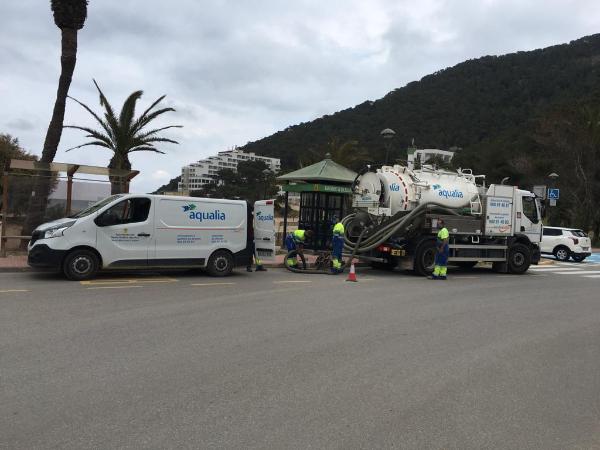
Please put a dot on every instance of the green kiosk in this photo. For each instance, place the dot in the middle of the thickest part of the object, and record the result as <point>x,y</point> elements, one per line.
<point>325,193</point>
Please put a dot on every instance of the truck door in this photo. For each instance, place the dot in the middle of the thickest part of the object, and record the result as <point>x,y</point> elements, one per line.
<point>124,233</point>
<point>264,230</point>
<point>528,218</point>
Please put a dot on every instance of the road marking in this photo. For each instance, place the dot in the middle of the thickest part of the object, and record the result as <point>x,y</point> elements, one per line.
<point>578,272</point>
<point>128,281</point>
<point>291,281</point>
<point>8,291</point>
<point>551,269</point>
<point>212,284</point>
<point>462,277</point>
<point>591,276</point>
<point>113,287</point>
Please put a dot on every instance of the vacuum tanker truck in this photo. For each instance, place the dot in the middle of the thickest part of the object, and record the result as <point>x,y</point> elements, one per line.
<point>396,213</point>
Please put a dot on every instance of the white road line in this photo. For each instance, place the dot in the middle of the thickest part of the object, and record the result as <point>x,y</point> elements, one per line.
<point>8,291</point>
<point>212,284</point>
<point>591,276</point>
<point>291,281</point>
<point>577,272</point>
<point>112,287</point>
<point>550,269</point>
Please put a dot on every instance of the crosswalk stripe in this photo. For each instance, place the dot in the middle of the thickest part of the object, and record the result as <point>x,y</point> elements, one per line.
<point>550,269</point>
<point>591,276</point>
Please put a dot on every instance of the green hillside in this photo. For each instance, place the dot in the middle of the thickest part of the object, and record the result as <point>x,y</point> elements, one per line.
<point>492,102</point>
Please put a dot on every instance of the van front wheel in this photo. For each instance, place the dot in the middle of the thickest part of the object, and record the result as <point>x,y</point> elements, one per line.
<point>81,265</point>
<point>220,264</point>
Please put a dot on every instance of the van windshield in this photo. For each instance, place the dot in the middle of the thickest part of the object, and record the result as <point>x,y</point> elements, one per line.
<point>96,206</point>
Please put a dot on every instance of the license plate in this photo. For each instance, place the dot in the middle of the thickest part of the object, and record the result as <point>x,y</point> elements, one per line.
<point>398,252</point>
<point>585,249</point>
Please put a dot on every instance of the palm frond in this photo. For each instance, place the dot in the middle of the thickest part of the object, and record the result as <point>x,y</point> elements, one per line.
<point>94,115</point>
<point>142,122</point>
<point>150,133</point>
<point>93,133</point>
<point>109,112</point>
<point>96,143</point>
<point>146,149</point>
<point>159,139</point>
<point>128,110</point>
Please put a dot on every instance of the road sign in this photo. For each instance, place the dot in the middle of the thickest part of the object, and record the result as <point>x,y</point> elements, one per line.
<point>540,191</point>
<point>553,194</point>
<point>552,202</point>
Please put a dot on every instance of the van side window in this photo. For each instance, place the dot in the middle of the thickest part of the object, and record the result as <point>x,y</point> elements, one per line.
<point>132,210</point>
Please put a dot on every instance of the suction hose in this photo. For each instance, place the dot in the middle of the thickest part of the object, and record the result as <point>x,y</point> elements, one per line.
<point>388,230</point>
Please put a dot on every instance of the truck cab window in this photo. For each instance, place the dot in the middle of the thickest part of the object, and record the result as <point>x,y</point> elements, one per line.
<point>132,210</point>
<point>530,209</point>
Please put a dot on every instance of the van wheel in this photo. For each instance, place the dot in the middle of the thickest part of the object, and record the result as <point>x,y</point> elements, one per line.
<point>578,258</point>
<point>519,258</point>
<point>562,253</point>
<point>425,258</point>
<point>220,264</point>
<point>81,265</point>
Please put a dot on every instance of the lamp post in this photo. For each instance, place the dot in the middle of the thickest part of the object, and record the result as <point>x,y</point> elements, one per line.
<point>387,135</point>
<point>266,173</point>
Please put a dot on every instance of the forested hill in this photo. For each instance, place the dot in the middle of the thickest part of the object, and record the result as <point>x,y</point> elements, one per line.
<point>488,104</point>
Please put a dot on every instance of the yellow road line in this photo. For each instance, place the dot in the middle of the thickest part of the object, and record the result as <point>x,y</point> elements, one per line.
<point>212,284</point>
<point>291,281</point>
<point>113,287</point>
<point>8,291</point>
<point>129,281</point>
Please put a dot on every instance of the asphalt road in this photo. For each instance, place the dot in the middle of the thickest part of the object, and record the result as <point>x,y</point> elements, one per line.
<point>277,360</point>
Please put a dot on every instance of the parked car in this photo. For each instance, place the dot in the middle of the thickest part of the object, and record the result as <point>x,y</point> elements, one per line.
<point>565,243</point>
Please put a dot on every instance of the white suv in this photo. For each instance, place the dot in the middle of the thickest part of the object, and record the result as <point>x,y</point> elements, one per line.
<point>566,242</point>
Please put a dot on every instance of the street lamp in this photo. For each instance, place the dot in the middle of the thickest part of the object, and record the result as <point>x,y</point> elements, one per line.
<point>266,173</point>
<point>387,135</point>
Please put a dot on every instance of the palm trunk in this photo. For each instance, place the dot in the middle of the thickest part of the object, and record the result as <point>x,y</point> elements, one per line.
<point>118,185</point>
<point>42,187</point>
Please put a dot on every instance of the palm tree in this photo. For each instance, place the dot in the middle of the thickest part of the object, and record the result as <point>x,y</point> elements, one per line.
<point>124,134</point>
<point>69,16</point>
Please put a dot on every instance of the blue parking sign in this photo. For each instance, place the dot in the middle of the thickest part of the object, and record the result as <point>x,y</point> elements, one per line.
<point>553,194</point>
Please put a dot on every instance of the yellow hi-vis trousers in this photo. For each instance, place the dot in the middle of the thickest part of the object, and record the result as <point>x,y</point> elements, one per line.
<point>440,271</point>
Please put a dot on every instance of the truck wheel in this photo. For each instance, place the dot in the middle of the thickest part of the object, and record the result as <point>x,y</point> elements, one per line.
<point>220,264</point>
<point>562,253</point>
<point>519,258</point>
<point>81,265</point>
<point>578,258</point>
<point>425,258</point>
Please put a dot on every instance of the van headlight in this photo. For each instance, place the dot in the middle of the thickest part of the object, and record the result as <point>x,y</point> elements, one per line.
<point>57,231</point>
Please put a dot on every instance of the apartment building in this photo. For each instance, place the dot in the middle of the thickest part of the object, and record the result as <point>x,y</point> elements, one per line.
<point>196,175</point>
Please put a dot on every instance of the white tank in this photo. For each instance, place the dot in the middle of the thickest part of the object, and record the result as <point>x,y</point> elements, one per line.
<point>397,188</point>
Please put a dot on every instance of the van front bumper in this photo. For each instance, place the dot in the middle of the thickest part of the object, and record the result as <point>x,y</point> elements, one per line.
<point>42,256</point>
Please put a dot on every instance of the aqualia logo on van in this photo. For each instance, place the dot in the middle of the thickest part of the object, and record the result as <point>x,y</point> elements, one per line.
<point>202,215</point>
<point>395,187</point>
<point>264,218</point>
<point>446,193</point>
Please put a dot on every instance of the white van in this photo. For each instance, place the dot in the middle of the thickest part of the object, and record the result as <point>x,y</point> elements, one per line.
<point>133,231</point>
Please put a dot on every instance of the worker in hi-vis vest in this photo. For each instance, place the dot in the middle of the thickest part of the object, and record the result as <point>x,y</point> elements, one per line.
<point>337,244</point>
<point>296,241</point>
<point>442,252</point>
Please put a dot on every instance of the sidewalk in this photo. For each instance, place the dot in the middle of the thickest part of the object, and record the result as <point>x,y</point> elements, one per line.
<point>13,264</point>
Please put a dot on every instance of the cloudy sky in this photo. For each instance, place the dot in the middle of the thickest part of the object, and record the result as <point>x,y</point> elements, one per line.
<point>237,71</point>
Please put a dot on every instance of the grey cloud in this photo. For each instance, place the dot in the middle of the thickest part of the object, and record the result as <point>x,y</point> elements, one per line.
<point>21,125</point>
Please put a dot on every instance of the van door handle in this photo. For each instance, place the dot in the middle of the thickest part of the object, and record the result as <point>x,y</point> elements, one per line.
<point>143,235</point>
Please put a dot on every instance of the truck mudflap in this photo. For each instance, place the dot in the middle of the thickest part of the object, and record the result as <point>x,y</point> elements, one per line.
<point>535,255</point>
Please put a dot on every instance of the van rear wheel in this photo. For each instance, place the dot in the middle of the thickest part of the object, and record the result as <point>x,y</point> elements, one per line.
<point>220,264</point>
<point>81,265</point>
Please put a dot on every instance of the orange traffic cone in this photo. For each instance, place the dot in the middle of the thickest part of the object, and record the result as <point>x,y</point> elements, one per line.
<point>352,274</point>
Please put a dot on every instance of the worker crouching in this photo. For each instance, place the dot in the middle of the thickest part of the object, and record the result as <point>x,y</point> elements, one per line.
<point>442,252</point>
<point>337,244</point>
<point>296,241</point>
